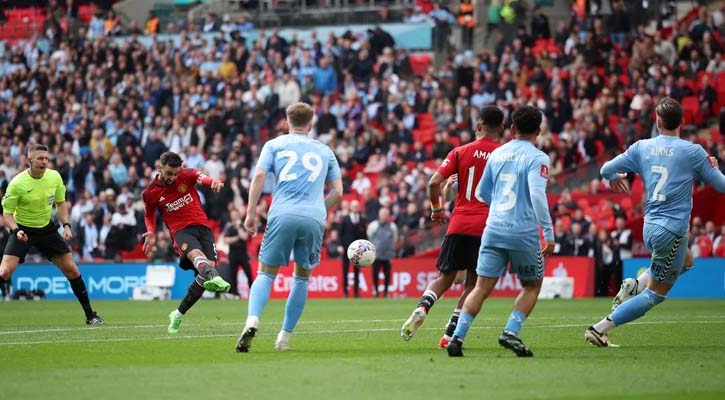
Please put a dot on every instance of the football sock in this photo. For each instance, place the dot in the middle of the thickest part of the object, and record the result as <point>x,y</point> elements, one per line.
<point>464,322</point>
<point>636,307</point>
<point>79,289</point>
<point>452,322</point>
<point>4,287</point>
<point>515,322</point>
<point>295,303</point>
<point>259,293</point>
<point>427,300</point>
<point>604,325</point>
<point>194,293</point>
<point>205,270</point>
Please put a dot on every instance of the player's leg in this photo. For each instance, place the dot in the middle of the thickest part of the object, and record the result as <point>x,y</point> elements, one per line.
<point>491,265</point>
<point>470,283</point>
<point>669,253</point>
<point>277,245</point>
<point>376,274</point>
<point>7,267</point>
<point>69,268</point>
<point>52,246</point>
<point>529,267</point>
<point>198,244</point>
<point>356,281</point>
<point>432,292</point>
<point>306,256</point>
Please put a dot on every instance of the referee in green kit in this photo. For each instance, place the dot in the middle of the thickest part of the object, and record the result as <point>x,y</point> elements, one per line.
<point>27,208</point>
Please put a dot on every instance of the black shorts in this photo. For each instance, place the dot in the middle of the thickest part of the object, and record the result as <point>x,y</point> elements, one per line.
<point>458,253</point>
<point>195,237</point>
<point>47,240</point>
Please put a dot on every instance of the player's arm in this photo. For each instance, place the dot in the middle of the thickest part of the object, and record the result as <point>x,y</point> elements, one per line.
<point>264,164</point>
<point>207,181</point>
<point>615,170</point>
<point>150,222</point>
<point>707,169</point>
<point>537,178</point>
<point>10,204</point>
<point>485,187</point>
<point>333,181</point>
<point>447,168</point>
<point>62,209</point>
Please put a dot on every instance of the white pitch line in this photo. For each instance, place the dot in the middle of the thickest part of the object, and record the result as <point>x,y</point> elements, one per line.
<point>240,324</point>
<point>323,332</point>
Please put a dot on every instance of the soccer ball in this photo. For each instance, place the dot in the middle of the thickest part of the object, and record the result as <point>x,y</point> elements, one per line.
<point>361,253</point>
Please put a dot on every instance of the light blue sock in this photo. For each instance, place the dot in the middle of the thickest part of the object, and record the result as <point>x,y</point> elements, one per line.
<point>295,302</point>
<point>464,322</point>
<point>259,293</point>
<point>515,323</point>
<point>636,307</point>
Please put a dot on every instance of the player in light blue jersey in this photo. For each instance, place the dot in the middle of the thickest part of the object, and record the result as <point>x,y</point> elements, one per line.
<point>296,220</point>
<point>514,186</point>
<point>669,166</point>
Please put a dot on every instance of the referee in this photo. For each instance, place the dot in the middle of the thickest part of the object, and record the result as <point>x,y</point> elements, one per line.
<point>27,208</point>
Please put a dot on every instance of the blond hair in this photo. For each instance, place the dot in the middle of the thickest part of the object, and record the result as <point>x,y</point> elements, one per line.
<point>299,116</point>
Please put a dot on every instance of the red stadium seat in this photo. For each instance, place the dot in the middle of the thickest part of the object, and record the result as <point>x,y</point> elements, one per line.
<point>715,135</point>
<point>419,63</point>
<point>691,107</point>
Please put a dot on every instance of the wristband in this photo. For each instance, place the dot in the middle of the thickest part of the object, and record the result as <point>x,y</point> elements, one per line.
<point>435,205</point>
<point>66,224</point>
<point>435,210</point>
<point>16,230</point>
<point>207,181</point>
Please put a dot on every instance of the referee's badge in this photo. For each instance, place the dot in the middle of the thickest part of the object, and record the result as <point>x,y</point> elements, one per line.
<point>51,200</point>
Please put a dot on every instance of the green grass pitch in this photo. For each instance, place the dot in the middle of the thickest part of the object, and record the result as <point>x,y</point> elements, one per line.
<point>351,349</point>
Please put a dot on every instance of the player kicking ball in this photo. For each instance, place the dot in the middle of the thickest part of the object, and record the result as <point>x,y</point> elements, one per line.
<point>669,167</point>
<point>459,251</point>
<point>173,192</point>
<point>296,219</point>
<point>514,185</point>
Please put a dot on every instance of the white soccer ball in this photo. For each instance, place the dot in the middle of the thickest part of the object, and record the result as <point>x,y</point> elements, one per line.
<point>361,253</point>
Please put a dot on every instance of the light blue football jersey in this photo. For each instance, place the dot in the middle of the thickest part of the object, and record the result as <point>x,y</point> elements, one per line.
<point>514,186</point>
<point>669,167</point>
<point>301,166</point>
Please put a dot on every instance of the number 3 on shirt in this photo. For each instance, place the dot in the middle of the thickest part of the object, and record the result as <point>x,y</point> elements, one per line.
<point>664,174</point>
<point>510,197</point>
<point>307,161</point>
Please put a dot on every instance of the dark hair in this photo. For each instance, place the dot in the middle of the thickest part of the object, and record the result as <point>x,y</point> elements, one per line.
<point>491,117</point>
<point>527,120</point>
<point>670,113</point>
<point>171,159</point>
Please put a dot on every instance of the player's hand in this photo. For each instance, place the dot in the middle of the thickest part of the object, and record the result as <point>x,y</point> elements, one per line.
<point>714,162</point>
<point>149,242</point>
<point>216,185</point>
<point>67,233</point>
<point>21,235</point>
<point>619,185</point>
<point>452,179</point>
<point>549,249</point>
<point>250,224</point>
<point>439,217</point>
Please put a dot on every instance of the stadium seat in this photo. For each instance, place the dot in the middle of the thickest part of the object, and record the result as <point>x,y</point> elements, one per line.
<point>419,63</point>
<point>691,108</point>
<point>715,135</point>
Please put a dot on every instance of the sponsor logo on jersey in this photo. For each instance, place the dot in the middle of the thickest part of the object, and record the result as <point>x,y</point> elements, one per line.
<point>179,203</point>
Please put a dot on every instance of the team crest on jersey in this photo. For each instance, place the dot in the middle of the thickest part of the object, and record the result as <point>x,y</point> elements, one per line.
<point>184,247</point>
<point>544,171</point>
<point>182,188</point>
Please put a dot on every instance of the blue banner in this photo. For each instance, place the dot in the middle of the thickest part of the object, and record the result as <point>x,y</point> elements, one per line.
<point>706,280</point>
<point>103,281</point>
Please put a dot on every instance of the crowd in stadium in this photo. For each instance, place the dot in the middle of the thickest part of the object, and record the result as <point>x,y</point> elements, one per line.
<point>108,109</point>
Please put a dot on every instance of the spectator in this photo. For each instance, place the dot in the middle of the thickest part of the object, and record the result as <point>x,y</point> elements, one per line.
<point>622,239</point>
<point>383,233</point>
<point>88,237</point>
<point>235,236</point>
<point>352,228</point>
<point>361,183</point>
<point>152,24</point>
<point>576,243</point>
<point>719,244</point>
<point>325,77</point>
<point>540,25</point>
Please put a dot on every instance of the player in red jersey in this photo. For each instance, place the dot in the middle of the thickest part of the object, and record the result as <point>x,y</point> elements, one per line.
<point>173,192</point>
<point>459,251</point>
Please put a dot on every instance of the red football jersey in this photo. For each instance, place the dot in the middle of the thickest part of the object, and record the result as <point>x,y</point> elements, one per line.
<point>179,203</point>
<point>468,161</point>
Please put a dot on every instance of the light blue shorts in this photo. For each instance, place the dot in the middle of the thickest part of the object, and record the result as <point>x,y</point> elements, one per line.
<point>527,265</point>
<point>288,233</point>
<point>668,253</point>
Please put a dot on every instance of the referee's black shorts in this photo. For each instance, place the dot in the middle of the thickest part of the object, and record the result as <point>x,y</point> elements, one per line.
<point>459,253</point>
<point>47,240</point>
